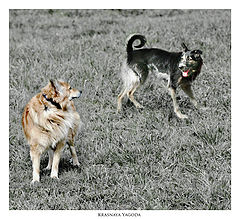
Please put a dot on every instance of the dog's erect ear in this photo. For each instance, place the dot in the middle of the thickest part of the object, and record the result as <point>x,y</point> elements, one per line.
<point>198,52</point>
<point>56,86</point>
<point>184,47</point>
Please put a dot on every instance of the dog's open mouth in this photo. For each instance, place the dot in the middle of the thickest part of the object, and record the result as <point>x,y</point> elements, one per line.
<point>185,73</point>
<point>185,70</point>
<point>189,69</point>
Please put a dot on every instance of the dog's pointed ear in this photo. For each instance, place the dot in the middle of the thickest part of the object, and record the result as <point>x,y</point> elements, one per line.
<point>199,52</point>
<point>52,82</point>
<point>184,47</point>
<point>55,84</point>
<point>196,53</point>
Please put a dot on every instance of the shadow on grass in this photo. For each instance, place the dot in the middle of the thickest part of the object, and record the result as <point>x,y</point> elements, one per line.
<point>65,165</point>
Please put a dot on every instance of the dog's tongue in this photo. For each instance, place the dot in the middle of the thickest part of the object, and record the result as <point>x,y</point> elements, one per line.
<point>185,73</point>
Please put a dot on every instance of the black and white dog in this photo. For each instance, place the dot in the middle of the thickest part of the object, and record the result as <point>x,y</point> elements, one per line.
<point>179,68</point>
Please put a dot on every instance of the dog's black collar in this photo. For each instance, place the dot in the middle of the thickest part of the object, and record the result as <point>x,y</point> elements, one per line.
<point>52,102</point>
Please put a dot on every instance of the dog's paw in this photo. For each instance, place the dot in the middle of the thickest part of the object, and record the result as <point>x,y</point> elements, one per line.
<point>184,117</point>
<point>181,116</point>
<point>34,181</point>
<point>119,110</point>
<point>195,103</point>
<point>139,106</point>
<point>48,167</point>
<point>76,164</point>
<point>203,108</point>
<point>55,177</point>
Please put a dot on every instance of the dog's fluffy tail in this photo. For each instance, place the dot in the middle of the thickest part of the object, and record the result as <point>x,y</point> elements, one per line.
<point>131,39</point>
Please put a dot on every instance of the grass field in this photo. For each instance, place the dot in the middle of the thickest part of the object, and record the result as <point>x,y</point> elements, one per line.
<point>146,159</point>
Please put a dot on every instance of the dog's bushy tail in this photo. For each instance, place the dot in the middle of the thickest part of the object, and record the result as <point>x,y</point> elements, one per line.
<point>131,39</point>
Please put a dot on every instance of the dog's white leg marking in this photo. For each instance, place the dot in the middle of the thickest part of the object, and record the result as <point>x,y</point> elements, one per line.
<point>35,157</point>
<point>175,105</point>
<point>187,90</point>
<point>56,159</point>
<point>50,159</point>
<point>131,97</point>
<point>161,75</point>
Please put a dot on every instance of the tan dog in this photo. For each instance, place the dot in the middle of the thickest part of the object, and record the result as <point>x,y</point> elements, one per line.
<point>49,121</point>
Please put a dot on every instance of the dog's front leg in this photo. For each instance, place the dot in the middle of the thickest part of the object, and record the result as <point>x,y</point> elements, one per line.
<point>188,91</point>
<point>35,157</point>
<point>70,143</point>
<point>175,105</point>
<point>71,135</point>
<point>56,159</point>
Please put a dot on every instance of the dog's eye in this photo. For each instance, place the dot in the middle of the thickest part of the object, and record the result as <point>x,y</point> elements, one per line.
<point>70,88</point>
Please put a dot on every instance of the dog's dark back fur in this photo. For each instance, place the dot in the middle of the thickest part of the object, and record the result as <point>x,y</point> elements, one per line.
<point>160,58</point>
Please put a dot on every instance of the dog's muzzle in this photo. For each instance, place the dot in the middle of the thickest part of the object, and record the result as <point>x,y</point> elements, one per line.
<point>77,96</point>
<point>191,67</point>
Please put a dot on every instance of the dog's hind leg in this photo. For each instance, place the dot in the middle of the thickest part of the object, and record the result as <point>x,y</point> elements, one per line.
<point>50,159</point>
<point>120,97</point>
<point>56,159</point>
<point>175,105</point>
<point>131,97</point>
<point>188,90</point>
<point>35,157</point>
